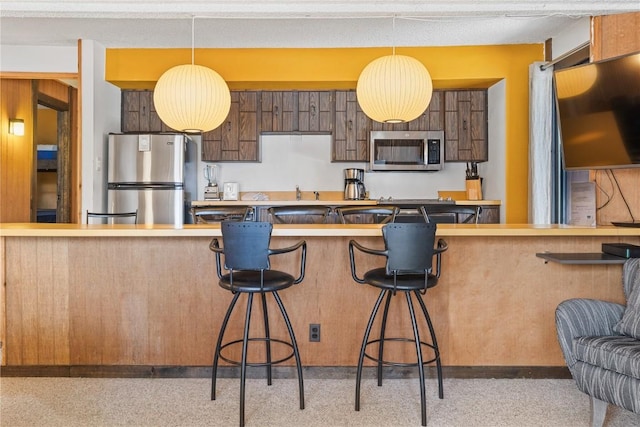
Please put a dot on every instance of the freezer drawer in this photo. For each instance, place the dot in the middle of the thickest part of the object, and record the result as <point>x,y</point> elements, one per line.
<point>154,205</point>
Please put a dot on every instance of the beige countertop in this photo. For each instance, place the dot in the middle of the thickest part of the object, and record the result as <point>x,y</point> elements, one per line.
<point>335,202</point>
<point>306,230</point>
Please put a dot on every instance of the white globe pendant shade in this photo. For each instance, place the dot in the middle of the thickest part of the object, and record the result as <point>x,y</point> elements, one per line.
<point>192,98</point>
<point>394,89</point>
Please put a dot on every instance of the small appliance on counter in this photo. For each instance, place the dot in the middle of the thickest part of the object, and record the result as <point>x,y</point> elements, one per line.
<point>353,184</point>
<point>211,191</point>
<point>230,191</point>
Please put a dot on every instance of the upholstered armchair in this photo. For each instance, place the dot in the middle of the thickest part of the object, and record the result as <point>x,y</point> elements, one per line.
<point>600,342</point>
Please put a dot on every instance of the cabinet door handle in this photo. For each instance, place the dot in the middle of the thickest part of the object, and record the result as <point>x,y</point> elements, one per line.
<point>313,110</point>
<point>275,110</point>
<point>350,124</point>
<point>464,125</point>
<point>229,126</point>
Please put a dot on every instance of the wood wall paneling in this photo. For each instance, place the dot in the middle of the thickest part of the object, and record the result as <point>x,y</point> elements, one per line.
<point>17,153</point>
<point>155,301</point>
<point>37,301</point>
<point>615,35</point>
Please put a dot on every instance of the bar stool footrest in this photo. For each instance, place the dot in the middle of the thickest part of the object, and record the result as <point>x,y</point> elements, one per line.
<point>257,364</point>
<point>402,364</point>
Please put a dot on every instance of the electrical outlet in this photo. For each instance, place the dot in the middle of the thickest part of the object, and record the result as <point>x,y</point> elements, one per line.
<point>314,332</point>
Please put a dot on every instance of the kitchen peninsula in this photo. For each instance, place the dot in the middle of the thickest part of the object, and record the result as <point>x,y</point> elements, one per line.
<point>87,297</point>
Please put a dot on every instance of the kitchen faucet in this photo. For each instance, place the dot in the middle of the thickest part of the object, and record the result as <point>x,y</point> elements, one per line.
<point>298,193</point>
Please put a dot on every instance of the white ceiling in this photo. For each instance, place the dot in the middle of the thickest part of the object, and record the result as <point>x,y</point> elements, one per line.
<point>295,23</point>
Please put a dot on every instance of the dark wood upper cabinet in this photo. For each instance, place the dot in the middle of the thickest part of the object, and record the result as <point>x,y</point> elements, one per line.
<point>466,126</point>
<point>352,126</point>
<point>315,111</point>
<point>462,114</point>
<point>279,111</point>
<point>237,138</point>
<point>139,113</point>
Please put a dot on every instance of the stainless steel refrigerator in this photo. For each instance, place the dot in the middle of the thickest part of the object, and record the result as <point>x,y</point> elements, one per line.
<point>154,174</point>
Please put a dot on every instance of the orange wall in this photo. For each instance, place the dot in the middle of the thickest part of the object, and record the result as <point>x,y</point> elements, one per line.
<point>450,67</point>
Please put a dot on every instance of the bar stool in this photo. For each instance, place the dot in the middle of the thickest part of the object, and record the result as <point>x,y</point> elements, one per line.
<point>299,214</point>
<point>213,214</point>
<point>379,214</point>
<point>246,255</point>
<point>456,214</point>
<point>409,251</point>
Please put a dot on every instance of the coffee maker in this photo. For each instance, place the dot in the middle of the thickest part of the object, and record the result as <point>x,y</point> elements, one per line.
<point>353,184</point>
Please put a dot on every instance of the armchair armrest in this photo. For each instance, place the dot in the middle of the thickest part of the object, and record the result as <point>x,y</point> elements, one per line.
<point>353,244</point>
<point>303,258</point>
<point>580,317</point>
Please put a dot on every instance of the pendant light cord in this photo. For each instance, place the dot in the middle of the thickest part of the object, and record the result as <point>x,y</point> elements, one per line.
<point>193,38</point>
<point>393,35</point>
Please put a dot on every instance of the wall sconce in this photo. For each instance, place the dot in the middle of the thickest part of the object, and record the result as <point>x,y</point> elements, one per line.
<point>16,127</point>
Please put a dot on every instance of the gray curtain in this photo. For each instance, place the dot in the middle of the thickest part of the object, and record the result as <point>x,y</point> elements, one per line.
<point>540,143</point>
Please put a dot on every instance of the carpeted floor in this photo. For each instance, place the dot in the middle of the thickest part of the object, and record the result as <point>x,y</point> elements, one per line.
<point>84,402</point>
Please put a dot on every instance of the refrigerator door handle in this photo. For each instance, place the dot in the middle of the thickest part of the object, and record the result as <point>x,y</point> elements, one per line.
<point>137,186</point>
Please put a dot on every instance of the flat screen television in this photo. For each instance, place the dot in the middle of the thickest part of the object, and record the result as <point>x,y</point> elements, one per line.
<point>598,111</point>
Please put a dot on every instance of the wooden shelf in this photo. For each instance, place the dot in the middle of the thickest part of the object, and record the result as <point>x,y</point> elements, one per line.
<point>581,258</point>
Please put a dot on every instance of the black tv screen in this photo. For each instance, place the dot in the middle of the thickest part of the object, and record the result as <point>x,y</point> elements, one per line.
<point>598,110</point>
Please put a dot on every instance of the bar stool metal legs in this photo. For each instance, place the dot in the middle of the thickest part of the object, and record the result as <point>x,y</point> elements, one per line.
<point>269,362</point>
<point>420,362</point>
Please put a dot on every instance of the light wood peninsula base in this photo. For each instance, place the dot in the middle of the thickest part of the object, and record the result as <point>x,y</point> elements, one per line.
<point>79,295</point>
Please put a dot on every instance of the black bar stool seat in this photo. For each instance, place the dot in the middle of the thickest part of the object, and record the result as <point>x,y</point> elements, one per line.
<point>378,278</point>
<point>250,281</point>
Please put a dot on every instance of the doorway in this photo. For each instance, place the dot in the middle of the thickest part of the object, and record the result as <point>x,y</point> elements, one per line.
<point>53,138</point>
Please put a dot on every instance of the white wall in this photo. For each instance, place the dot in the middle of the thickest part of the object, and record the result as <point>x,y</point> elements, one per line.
<point>305,160</point>
<point>100,115</point>
<point>494,186</point>
<point>40,59</point>
<point>571,37</point>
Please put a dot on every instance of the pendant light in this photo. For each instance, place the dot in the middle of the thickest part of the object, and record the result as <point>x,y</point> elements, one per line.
<point>394,88</point>
<point>192,98</point>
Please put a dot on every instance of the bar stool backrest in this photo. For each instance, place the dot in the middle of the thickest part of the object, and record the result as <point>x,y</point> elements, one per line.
<point>409,247</point>
<point>246,245</point>
<point>382,214</point>
<point>463,214</point>
<point>205,215</point>
<point>299,214</point>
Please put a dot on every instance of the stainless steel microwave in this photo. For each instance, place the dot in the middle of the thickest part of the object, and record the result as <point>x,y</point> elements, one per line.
<point>406,150</point>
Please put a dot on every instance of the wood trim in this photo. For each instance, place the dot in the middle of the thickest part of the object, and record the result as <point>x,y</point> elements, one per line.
<point>3,304</point>
<point>615,35</point>
<point>310,372</point>
<point>36,75</point>
<point>76,145</point>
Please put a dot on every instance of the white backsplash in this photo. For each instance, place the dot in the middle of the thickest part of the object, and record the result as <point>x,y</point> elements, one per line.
<point>305,161</point>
